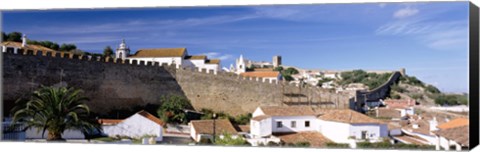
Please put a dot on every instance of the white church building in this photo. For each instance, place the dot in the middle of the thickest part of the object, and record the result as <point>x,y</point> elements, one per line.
<point>177,56</point>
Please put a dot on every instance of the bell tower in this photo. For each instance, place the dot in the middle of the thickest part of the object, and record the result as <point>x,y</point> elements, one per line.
<point>122,51</point>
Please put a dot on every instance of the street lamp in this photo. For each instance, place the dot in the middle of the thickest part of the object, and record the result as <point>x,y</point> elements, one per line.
<point>214,117</point>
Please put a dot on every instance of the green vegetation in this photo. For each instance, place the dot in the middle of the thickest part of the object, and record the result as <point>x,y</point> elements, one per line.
<point>55,109</point>
<point>172,109</point>
<point>242,119</point>
<point>451,99</point>
<point>388,145</point>
<point>47,44</point>
<point>337,145</point>
<point>287,73</point>
<point>107,51</point>
<point>432,89</point>
<point>13,36</point>
<point>299,144</point>
<point>412,81</point>
<point>17,37</point>
<point>372,80</point>
<point>229,140</point>
<point>323,80</point>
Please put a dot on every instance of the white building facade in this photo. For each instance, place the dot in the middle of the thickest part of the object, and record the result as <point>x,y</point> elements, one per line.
<point>141,124</point>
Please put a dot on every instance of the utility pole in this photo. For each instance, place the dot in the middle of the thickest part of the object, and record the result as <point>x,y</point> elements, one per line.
<point>214,133</point>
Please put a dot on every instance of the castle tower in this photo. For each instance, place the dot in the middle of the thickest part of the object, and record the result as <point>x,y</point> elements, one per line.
<point>277,61</point>
<point>241,65</point>
<point>122,51</point>
<point>403,71</point>
<point>24,40</point>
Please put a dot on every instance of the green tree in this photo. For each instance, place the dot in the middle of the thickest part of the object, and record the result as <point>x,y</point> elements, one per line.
<point>288,77</point>
<point>107,51</point>
<point>4,36</point>
<point>54,109</point>
<point>14,36</point>
<point>172,109</point>
<point>67,47</point>
<point>278,68</point>
<point>229,140</point>
<point>290,71</point>
<point>432,89</point>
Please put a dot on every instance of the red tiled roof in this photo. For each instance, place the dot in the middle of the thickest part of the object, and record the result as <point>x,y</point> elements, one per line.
<point>109,121</point>
<point>315,139</point>
<point>288,111</point>
<point>457,134</point>
<point>151,117</point>
<point>206,126</point>
<point>160,52</point>
<point>348,116</point>
<point>454,123</point>
<point>261,74</point>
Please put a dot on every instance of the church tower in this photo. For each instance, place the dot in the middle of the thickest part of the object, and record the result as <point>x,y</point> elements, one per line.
<point>241,65</point>
<point>122,51</point>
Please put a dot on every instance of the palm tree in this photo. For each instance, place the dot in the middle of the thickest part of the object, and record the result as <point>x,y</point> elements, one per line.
<point>54,109</point>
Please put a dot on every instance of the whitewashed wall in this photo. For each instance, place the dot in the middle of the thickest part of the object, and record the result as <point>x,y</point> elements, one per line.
<point>261,128</point>
<point>374,131</point>
<point>167,60</point>
<point>430,138</point>
<point>257,112</point>
<point>335,131</point>
<point>135,126</point>
<point>32,133</point>
<point>300,123</point>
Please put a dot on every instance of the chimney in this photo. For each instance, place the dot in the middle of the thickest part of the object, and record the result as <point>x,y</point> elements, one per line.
<point>433,124</point>
<point>415,126</point>
<point>24,40</point>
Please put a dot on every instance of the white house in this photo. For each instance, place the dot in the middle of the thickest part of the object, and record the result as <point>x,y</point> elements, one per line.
<point>177,56</point>
<point>336,125</point>
<point>204,129</point>
<point>264,76</point>
<point>452,133</point>
<point>139,125</point>
<point>340,125</point>
<point>15,46</point>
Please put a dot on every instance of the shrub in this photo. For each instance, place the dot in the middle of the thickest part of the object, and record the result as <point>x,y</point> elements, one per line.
<point>337,145</point>
<point>172,109</point>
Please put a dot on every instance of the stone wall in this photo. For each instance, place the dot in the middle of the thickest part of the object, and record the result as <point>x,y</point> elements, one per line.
<point>378,93</point>
<point>113,85</point>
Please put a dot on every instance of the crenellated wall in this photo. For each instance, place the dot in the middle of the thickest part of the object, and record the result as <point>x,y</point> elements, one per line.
<point>121,84</point>
<point>378,93</point>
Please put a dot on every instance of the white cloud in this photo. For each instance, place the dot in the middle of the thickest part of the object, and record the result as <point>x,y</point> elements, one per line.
<point>216,55</point>
<point>382,5</point>
<point>405,12</point>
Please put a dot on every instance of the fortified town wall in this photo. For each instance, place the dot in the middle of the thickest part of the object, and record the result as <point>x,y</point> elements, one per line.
<point>118,84</point>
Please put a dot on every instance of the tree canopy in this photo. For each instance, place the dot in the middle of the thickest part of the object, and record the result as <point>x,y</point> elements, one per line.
<point>172,109</point>
<point>14,36</point>
<point>67,47</point>
<point>55,109</point>
<point>107,51</point>
<point>372,80</point>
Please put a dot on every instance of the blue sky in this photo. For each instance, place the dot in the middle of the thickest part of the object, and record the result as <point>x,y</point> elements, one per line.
<point>429,39</point>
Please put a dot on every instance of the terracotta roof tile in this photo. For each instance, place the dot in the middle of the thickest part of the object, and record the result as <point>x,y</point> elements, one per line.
<point>288,111</point>
<point>263,69</point>
<point>151,117</point>
<point>315,139</point>
<point>206,126</point>
<point>28,47</point>
<point>109,121</point>
<point>212,61</point>
<point>347,116</point>
<point>160,52</point>
<point>454,123</point>
<point>261,74</point>
<point>458,134</point>
<point>196,57</point>
<point>387,112</point>
<point>261,117</point>
<point>243,128</point>
<point>400,103</point>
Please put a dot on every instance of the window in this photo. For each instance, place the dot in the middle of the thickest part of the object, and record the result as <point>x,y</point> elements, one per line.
<point>279,124</point>
<point>307,123</point>
<point>293,124</point>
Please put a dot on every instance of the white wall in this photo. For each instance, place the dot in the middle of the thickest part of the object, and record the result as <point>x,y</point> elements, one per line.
<point>430,138</point>
<point>167,60</point>
<point>374,131</point>
<point>335,131</point>
<point>261,128</point>
<point>135,126</point>
<point>300,123</point>
<point>35,133</point>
